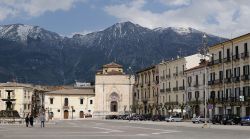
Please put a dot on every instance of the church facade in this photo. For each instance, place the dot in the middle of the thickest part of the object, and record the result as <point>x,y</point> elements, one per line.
<point>113,91</point>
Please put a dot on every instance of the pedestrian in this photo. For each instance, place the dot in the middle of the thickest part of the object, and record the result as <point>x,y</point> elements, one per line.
<point>27,120</point>
<point>31,120</point>
<point>42,119</point>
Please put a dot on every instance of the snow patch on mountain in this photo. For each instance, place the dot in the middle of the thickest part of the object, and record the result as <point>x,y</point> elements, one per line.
<point>24,30</point>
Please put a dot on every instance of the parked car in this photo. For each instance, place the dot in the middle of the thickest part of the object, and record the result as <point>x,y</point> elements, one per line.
<point>111,117</point>
<point>245,120</point>
<point>217,119</point>
<point>173,119</point>
<point>230,119</point>
<point>199,119</point>
<point>158,118</point>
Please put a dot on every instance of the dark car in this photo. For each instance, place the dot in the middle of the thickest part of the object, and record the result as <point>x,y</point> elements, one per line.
<point>158,118</point>
<point>217,119</point>
<point>230,119</point>
<point>245,120</point>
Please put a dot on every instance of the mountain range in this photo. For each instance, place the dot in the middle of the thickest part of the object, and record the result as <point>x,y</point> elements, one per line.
<point>31,54</point>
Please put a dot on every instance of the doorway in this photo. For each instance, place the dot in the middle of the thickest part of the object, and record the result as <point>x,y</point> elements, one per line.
<point>66,114</point>
<point>81,114</point>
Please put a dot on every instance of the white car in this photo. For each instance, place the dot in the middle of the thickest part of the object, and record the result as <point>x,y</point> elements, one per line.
<point>173,119</point>
<point>199,119</point>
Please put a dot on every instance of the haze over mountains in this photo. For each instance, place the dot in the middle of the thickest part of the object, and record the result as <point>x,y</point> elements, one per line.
<point>32,54</point>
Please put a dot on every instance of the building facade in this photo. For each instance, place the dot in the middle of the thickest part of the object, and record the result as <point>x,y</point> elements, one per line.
<point>195,90</point>
<point>113,91</point>
<point>229,79</point>
<point>172,96</point>
<point>26,95</point>
<point>146,91</point>
<point>69,103</point>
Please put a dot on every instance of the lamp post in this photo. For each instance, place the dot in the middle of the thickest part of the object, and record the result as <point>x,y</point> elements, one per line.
<point>72,107</point>
<point>204,53</point>
<point>130,72</point>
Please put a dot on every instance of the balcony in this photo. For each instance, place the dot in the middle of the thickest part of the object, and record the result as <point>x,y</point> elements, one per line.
<point>162,77</point>
<point>148,83</point>
<point>218,81</point>
<point>236,79</point>
<point>245,77</point>
<point>196,85</point>
<point>210,82</point>
<point>236,57</point>
<point>168,76</point>
<point>175,89</point>
<point>227,80</point>
<point>214,62</point>
<point>181,87</point>
<point>144,100</point>
<point>175,74</point>
<point>168,89</point>
<point>227,59</point>
<point>245,55</point>
<point>162,90</point>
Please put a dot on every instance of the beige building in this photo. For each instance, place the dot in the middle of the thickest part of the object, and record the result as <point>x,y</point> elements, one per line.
<point>229,77</point>
<point>172,96</point>
<point>70,103</point>
<point>113,91</point>
<point>28,97</point>
<point>146,91</point>
<point>195,90</point>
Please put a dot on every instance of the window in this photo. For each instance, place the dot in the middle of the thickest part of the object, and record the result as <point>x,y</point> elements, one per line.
<point>228,53</point>
<point>228,73</point>
<point>204,78</point>
<point>246,70</point>
<point>237,51</point>
<point>221,75</point>
<point>196,80</point>
<point>189,95</point>
<point>24,107</point>
<point>0,94</point>
<point>220,56</point>
<point>176,98</point>
<point>189,81</point>
<point>237,72</point>
<point>51,100</point>
<point>66,101</point>
<point>81,101</point>
<point>91,102</point>
<point>197,94</point>
<point>245,48</point>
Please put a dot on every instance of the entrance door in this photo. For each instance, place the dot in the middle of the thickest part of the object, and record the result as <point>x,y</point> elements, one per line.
<point>66,114</point>
<point>81,114</point>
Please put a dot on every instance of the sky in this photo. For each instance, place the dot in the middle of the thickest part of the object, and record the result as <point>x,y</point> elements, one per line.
<point>225,18</point>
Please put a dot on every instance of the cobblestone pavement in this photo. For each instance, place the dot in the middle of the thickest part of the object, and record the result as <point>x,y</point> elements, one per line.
<point>109,129</point>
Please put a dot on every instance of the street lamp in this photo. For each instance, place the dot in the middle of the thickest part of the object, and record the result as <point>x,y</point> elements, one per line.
<point>130,106</point>
<point>204,53</point>
<point>72,107</point>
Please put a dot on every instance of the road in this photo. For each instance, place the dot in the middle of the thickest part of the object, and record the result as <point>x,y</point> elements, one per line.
<point>96,129</point>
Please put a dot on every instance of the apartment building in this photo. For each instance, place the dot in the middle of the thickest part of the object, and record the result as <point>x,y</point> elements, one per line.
<point>146,91</point>
<point>229,77</point>
<point>195,90</point>
<point>172,96</point>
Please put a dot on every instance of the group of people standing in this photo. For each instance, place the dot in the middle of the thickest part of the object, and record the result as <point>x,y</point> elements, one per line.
<point>29,120</point>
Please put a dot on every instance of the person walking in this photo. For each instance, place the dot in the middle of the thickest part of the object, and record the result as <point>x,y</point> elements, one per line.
<point>27,120</point>
<point>31,120</point>
<point>42,119</point>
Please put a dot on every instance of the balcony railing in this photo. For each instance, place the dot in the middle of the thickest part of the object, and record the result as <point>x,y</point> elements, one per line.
<point>236,57</point>
<point>227,59</point>
<point>162,90</point>
<point>175,89</point>
<point>218,81</point>
<point>245,77</point>
<point>244,55</point>
<point>181,88</point>
<point>162,77</point>
<point>168,89</point>
<point>210,82</point>
<point>227,80</point>
<point>168,76</point>
<point>175,74</point>
<point>196,85</point>
<point>236,79</point>
<point>65,107</point>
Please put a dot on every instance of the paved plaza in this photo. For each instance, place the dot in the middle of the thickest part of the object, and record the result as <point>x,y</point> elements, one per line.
<point>96,129</point>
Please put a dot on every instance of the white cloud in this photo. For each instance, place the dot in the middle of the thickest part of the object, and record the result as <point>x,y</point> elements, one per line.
<point>219,17</point>
<point>33,7</point>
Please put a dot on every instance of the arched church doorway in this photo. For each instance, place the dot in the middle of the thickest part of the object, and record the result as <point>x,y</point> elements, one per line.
<point>66,114</point>
<point>113,106</point>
